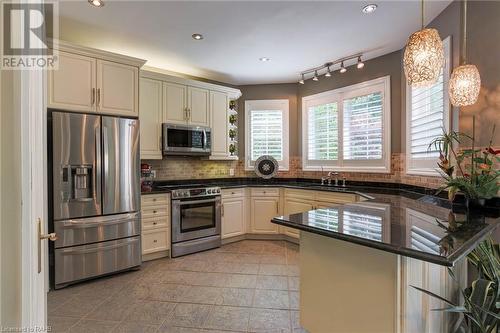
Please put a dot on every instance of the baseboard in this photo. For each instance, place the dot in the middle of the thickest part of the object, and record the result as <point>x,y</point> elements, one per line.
<point>260,237</point>
<point>156,255</point>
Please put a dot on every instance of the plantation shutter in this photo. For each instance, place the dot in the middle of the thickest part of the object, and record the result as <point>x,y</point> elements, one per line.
<point>323,136</point>
<point>363,132</point>
<point>327,219</point>
<point>362,225</point>
<point>424,241</point>
<point>266,133</point>
<point>427,118</point>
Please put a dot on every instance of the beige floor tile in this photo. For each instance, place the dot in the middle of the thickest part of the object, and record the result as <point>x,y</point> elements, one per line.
<point>208,279</point>
<point>127,327</point>
<point>294,300</point>
<point>93,326</point>
<point>78,306</point>
<point>271,299</point>
<point>202,295</point>
<point>293,283</point>
<point>150,312</point>
<point>273,259</point>
<point>293,270</point>
<point>241,281</point>
<point>272,282</point>
<point>188,315</point>
<point>59,324</point>
<point>236,297</point>
<point>269,320</point>
<point>167,292</point>
<point>228,318</point>
<point>114,309</point>
<point>272,269</point>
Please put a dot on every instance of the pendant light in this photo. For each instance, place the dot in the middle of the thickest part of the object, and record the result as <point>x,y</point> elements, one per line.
<point>465,81</point>
<point>423,56</point>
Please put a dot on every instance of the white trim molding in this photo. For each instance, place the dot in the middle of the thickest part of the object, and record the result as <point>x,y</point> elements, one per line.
<point>269,104</point>
<point>383,165</point>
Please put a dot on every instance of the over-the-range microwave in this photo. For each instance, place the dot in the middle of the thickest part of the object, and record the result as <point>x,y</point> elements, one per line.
<point>186,140</point>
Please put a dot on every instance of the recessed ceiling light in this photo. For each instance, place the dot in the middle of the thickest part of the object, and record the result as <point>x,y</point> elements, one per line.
<point>197,36</point>
<point>368,9</point>
<point>96,3</point>
<point>264,59</point>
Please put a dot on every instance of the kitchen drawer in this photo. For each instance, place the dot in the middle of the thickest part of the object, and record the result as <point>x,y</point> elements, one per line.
<point>155,211</point>
<point>154,199</point>
<point>233,193</point>
<point>155,222</point>
<point>299,194</point>
<point>155,240</point>
<point>335,197</point>
<point>265,192</point>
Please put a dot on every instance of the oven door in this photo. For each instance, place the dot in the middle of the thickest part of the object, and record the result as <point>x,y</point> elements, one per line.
<point>195,218</point>
<point>186,140</point>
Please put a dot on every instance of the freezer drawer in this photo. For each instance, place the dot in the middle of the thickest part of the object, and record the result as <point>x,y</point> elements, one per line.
<point>86,261</point>
<point>96,229</point>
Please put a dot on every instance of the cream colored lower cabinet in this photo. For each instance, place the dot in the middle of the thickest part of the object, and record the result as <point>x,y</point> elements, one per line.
<point>263,209</point>
<point>155,225</point>
<point>294,206</point>
<point>233,217</point>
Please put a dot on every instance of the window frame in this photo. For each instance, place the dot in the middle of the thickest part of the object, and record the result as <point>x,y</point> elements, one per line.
<point>268,104</point>
<point>383,165</point>
<point>428,167</point>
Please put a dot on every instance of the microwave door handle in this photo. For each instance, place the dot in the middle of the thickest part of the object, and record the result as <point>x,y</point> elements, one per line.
<point>205,140</point>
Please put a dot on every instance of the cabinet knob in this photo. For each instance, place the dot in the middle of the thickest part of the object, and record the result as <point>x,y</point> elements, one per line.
<point>154,199</point>
<point>155,241</point>
<point>154,223</point>
<point>154,211</point>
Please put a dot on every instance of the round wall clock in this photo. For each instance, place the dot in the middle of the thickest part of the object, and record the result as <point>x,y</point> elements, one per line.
<point>266,167</point>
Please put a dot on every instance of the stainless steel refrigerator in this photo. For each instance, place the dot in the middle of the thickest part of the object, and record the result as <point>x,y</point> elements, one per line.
<point>95,195</point>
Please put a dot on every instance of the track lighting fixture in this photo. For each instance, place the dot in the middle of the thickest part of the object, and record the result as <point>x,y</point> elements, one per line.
<point>302,80</point>
<point>326,69</point>
<point>315,77</point>
<point>342,68</point>
<point>360,64</point>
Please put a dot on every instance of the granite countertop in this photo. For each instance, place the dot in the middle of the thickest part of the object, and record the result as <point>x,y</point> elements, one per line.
<point>402,219</point>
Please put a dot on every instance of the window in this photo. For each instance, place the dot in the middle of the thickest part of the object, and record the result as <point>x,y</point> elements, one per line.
<point>427,114</point>
<point>348,128</point>
<point>266,123</point>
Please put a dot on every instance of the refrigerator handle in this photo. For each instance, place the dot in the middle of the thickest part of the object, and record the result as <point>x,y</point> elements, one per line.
<point>105,155</point>
<point>97,169</point>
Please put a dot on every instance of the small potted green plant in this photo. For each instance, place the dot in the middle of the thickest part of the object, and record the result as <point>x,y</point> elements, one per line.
<point>232,119</point>
<point>471,172</point>
<point>232,149</point>
<point>232,134</point>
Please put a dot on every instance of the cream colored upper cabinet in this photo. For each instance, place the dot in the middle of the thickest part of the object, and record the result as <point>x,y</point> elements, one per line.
<point>218,123</point>
<point>117,88</point>
<point>72,86</point>
<point>174,103</point>
<point>233,217</point>
<point>150,116</point>
<point>198,106</point>
<point>263,209</point>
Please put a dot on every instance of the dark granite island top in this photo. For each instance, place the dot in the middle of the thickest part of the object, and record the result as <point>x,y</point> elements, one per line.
<point>421,227</point>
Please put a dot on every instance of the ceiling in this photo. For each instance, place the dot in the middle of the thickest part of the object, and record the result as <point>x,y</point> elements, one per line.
<point>295,35</point>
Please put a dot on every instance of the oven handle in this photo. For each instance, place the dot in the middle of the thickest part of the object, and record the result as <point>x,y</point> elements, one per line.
<point>179,202</point>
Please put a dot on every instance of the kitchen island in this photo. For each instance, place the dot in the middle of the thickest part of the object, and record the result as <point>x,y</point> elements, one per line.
<point>359,260</point>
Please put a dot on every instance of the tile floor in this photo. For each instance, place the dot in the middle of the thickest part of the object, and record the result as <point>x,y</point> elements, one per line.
<point>248,286</point>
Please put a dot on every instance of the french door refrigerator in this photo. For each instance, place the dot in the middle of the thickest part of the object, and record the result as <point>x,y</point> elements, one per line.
<point>94,180</point>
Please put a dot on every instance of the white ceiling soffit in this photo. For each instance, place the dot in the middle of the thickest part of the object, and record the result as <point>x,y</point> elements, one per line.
<point>295,35</point>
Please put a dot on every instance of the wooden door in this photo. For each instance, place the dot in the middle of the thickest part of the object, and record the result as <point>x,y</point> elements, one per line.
<point>233,217</point>
<point>73,85</point>
<point>219,124</point>
<point>198,106</point>
<point>117,88</point>
<point>263,209</point>
<point>150,116</point>
<point>174,103</point>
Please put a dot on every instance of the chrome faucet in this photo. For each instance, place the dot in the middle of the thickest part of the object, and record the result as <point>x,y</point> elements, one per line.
<point>336,175</point>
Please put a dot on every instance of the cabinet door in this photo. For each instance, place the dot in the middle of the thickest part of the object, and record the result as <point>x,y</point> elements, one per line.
<point>174,103</point>
<point>262,211</point>
<point>150,116</point>
<point>219,124</point>
<point>233,217</point>
<point>293,206</point>
<point>72,85</point>
<point>117,88</point>
<point>198,102</point>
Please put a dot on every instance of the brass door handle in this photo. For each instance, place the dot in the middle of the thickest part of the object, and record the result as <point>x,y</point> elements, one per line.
<point>41,236</point>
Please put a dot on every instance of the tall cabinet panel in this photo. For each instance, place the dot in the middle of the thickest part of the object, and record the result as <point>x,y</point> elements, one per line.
<point>174,103</point>
<point>72,85</point>
<point>262,211</point>
<point>117,88</point>
<point>219,123</point>
<point>150,115</point>
<point>198,106</point>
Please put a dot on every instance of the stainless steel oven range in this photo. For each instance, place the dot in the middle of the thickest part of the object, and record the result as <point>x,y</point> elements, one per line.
<point>196,220</point>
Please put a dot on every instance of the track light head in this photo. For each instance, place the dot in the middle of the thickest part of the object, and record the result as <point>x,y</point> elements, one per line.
<point>328,72</point>
<point>315,77</point>
<point>342,68</point>
<point>360,64</point>
<point>301,81</point>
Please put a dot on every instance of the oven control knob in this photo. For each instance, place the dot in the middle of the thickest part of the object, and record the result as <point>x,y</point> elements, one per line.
<point>209,191</point>
<point>218,190</point>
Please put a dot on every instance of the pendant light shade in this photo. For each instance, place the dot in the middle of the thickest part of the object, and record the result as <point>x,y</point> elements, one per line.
<point>423,58</point>
<point>465,84</point>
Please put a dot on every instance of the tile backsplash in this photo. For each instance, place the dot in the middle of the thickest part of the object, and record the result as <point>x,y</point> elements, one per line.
<point>190,168</point>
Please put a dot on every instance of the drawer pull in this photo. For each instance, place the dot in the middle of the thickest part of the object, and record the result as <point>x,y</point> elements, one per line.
<point>233,192</point>
<point>154,211</point>
<point>154,223</point>
<point>154,199</point>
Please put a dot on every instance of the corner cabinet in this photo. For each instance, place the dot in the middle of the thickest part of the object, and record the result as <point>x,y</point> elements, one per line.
<point>265,204</point>
<point>95,81</point>
<point>219,102</point>
<point>150,116</point>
